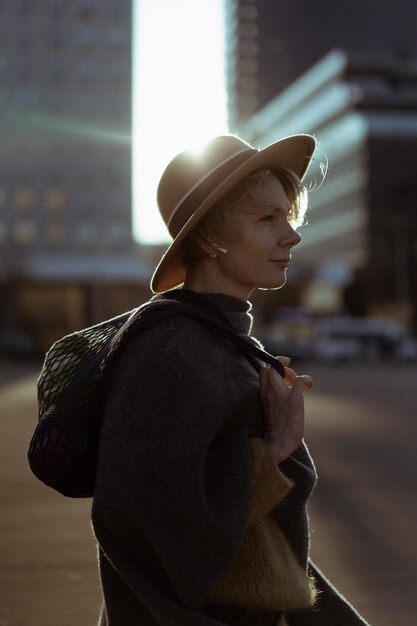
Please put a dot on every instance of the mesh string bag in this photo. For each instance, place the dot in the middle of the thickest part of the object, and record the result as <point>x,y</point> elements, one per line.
<point>72,389</point>
<point>63,449</point>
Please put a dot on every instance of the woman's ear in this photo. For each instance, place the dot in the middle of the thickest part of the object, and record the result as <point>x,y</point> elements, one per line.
<point>218,247</point>
<point>211,248</point>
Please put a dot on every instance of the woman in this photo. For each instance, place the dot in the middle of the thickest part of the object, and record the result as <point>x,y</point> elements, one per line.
<point>203,475</point>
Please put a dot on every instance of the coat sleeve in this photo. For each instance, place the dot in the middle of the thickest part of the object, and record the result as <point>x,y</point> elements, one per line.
<point>330,608</point>
<point>174,464</point>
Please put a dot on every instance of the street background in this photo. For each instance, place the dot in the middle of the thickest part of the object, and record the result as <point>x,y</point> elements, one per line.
<point>361,429</point>
<point>95,99</point>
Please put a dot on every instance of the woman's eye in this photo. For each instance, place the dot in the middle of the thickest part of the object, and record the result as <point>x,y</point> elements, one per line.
<point>268,218</point>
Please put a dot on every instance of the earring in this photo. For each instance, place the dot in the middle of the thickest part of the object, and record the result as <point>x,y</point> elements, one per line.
<point>214,255</point>
<point>218,247</point>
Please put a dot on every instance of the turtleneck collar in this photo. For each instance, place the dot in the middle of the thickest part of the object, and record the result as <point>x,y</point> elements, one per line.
<point>237,311</point>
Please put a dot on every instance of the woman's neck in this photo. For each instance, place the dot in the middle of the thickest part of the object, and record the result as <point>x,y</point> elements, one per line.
<point>204,278</point>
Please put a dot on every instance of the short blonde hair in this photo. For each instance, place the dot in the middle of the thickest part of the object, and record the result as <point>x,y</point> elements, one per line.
<point>222,220</point>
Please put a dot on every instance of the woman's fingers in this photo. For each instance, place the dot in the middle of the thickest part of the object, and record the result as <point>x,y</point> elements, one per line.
<point>290,374</point>
<point>263,377</point>
<point>300,384</point>
<point>307,380</point>
<point>283,410</point>
<point>290,377</point>
<point>275,380</point>
<point>285,360</point>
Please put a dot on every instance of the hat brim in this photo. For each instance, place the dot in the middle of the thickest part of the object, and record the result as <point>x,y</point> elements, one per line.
<point>293,152</point>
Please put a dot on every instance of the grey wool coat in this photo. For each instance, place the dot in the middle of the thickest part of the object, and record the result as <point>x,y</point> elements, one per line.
<point>174,488</point>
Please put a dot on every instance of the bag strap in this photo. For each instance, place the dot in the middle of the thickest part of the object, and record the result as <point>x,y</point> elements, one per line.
<point>199,309</point>
<point>251,350</point>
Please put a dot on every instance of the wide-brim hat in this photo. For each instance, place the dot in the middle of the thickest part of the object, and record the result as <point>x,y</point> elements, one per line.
<point>193,182</point>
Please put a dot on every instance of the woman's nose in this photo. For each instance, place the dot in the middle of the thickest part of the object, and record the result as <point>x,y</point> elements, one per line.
<point>291,237</point>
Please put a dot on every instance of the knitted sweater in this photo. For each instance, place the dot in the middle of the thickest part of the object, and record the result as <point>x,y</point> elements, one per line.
<point>195,522</point>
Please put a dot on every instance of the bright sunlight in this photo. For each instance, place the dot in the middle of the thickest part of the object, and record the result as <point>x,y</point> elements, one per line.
<point>178,94</point>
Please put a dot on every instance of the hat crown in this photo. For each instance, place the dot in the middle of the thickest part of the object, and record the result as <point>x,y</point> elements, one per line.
<point>189,168</point>
<point>193,182</point>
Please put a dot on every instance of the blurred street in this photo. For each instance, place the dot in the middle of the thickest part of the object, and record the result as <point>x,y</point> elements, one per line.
<point>362,432</point>
<point>361,429</point>
<point>48,574</point>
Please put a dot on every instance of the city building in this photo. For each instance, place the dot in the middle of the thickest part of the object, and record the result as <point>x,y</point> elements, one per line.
<point>359,250</point>
<point>66,247</point>
<point>271,44</point>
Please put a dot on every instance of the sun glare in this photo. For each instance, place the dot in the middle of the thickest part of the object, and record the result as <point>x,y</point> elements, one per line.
<point>178,96</point>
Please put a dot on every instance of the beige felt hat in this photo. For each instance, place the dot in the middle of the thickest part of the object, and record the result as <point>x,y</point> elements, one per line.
<point>192,183</point>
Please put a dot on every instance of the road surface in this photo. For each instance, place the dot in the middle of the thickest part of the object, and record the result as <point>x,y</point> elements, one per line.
<point>361,429</point>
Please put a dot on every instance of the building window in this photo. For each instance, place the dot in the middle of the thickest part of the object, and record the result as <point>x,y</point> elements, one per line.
<point>86,234</point>
<point>87,12</point>
<point>55,200</point>
<point>117,233</point>
<point>117,36</point>
<point>86,35</point>
<point>86,68</point>
<point>87,8</point>
<point>24,232</point>
<point>55,100</point>
<point>24,199</point>
<point>3,198</point>
<point>25,7</point>
<point>25,99</point>
<point>55,235</point>
<point>59,8</point>
<point>117,69</point>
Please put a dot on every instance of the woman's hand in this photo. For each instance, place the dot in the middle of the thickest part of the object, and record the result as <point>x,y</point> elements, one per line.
<point>283,406</point>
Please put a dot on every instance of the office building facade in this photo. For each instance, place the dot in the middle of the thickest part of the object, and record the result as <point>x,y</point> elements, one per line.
<point>65,161</point>
<point>359,250</point>
<point>271,44</point>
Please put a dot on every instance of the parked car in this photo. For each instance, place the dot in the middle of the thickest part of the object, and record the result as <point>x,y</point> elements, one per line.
<point>296,349</point>
<point>348,338</point>
<point>336,349</point>
<point>407,351</point>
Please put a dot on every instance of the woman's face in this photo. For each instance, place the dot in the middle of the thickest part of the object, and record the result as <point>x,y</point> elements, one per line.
<point>259,256</point>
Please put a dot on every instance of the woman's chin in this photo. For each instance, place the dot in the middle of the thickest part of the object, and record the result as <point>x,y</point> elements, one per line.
<point>273,286</point>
